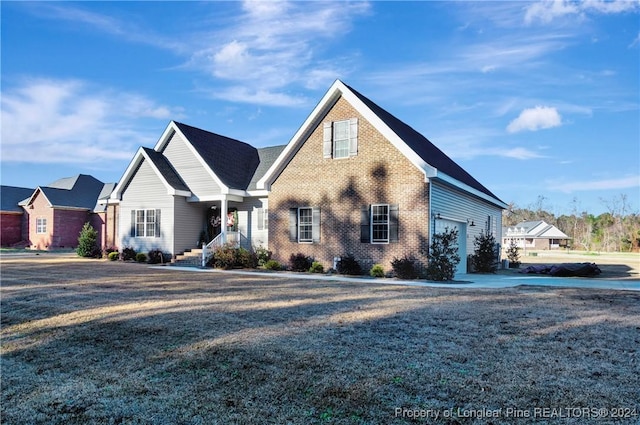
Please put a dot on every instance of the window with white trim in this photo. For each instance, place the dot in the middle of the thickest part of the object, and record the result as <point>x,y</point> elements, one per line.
<point>304,225</point>
<point>340,138</point>
<point>41,225</point>
<point>380,223</point>
<point>145,223</point>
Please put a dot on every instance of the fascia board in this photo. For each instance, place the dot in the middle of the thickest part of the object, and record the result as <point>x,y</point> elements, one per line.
<point>35,194</point>
<point>116,195</point>
<point>457,183</point>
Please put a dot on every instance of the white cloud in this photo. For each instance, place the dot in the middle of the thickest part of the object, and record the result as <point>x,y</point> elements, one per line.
<point>549,10</point>
<point>591,185</point>
<point>70,121</point>
<point>534,119</point>
<point>273,45</point>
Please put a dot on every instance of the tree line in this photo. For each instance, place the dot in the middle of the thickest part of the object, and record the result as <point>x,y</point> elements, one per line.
<point>616,230</point>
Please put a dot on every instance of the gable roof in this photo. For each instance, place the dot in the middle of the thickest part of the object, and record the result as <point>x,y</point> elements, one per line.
<point>418,149</point>
<point>267,157</point>
<point>11,196</point>
<point>81,191</point>
<point>534,229</point>
<point>233,161</point>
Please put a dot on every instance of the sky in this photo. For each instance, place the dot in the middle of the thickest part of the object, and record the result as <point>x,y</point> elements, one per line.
<point>539,101</point>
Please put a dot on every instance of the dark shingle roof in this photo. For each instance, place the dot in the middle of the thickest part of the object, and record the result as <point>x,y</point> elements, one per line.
<point>429,152</point>
<point>267,157</point>
<point>80,191</point>
<point>10,197</point>
<point>165,168</point>
<point>233,161</point>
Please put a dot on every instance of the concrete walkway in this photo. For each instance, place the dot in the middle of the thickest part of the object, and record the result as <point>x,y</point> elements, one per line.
<point>462,281</point>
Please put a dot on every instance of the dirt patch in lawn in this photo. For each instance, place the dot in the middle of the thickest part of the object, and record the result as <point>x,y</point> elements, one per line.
<point>88,341</point>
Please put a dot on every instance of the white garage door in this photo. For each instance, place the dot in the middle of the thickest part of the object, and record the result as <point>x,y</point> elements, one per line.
<point>462,240</point>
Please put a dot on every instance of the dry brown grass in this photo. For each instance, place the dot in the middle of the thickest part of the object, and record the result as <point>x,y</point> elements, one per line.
<point>87,341</point>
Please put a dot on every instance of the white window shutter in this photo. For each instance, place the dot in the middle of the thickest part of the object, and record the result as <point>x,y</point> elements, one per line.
<point>327,148</point>
<point>353,137</point>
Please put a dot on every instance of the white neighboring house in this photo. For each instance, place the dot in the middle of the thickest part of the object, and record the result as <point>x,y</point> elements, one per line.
<point>534,235</point>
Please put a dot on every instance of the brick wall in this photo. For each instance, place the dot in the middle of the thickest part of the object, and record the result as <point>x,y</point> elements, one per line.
<point>379,173</point>
<point>39,208</point>
<point>67,227</point>
<point>11,228</point>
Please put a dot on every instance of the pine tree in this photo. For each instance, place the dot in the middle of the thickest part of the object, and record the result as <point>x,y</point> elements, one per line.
<point>484,257</point>
<point>513,254</point>
<point>443,255</point>
<point>88,242</point>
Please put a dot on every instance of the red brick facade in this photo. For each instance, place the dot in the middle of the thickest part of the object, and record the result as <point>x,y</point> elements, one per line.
<point>11,224</point>
<point>379,173</point>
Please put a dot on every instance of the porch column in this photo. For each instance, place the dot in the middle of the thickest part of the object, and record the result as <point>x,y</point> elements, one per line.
<point>223,218</point>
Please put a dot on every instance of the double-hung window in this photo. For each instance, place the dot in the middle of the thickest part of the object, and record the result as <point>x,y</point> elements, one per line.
<point>304,225</point>
<point>145,223</point>
<point>41,225</point>
<point>340,138</point>
<point>379,223</point>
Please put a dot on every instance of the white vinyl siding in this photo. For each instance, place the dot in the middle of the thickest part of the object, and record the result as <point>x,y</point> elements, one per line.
<point>145,223</point>
<point>188,166</point>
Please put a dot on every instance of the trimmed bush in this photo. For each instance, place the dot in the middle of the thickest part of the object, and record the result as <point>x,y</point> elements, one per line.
<point>156,257</point>
<point>405,268</point>
<point>377,271</point>
<point>141,257</point>
<point>300,262</point>
<point>316,267</point>
<point>349,266</point>
<point>272,265</point>
<point>109,250</point>
<point>88,242</point>
<point>443,255</point>
<point>262,255</point>
<point>128,254</point>
<point>245,259</point>
<point>224,257</point>
<point>113,256</point>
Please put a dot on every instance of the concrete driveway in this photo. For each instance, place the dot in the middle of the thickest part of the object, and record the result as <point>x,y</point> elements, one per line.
<point>461,281</point>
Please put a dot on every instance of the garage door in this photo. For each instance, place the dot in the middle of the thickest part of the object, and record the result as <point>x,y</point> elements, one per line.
<point>462,240</point>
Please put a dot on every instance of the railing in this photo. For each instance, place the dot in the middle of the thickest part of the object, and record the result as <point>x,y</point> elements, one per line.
<point>229,238</point>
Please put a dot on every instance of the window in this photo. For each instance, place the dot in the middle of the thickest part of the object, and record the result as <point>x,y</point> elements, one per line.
<point>145,223</point>
<point>379,223</point>
<point>41,225</point>
<point>340,138</point>
<point>304,225</point>
<point>262,218</point>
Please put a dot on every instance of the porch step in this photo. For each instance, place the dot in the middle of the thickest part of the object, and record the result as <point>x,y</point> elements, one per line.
<point>190,258</point>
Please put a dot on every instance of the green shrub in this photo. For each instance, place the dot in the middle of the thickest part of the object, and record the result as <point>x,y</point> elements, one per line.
<point>316,267</point>
<point>128,253</point>
<point>348,265</point>
<point>405,268</point>
<point>113,256</point>
<point>443,255</point>
<point>224,257</point>
<point>262,255</point>
<point>246,259</point>
<point>109,250</point>
<point>141,257</point>
<point>300,262</point>
<point>88,242</point>
<point>272,265</point>
<point>377,271</point>
<point>484,258</point>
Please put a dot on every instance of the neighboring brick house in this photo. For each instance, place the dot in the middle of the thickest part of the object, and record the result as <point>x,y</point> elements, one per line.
<point>54,214</point>
<point>534,235</point>
<point>356,180</point>
<point>11,214</point>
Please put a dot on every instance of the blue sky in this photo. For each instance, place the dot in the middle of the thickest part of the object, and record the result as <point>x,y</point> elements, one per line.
<point>539,101</point>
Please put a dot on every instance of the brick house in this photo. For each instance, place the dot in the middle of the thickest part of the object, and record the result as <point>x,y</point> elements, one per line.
<point>54,214</point>
<point>11,214</point>
<point>356,180</point>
